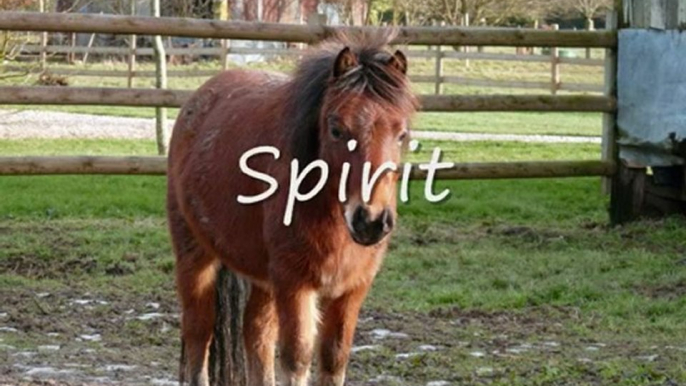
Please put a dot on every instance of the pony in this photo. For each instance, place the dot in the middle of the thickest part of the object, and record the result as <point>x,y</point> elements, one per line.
<point>348,103</point>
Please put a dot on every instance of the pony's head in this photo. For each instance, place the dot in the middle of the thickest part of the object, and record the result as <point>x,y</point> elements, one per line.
<point>361,128</point>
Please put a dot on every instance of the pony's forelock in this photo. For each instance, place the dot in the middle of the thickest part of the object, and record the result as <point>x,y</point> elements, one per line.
<point>374,77</point>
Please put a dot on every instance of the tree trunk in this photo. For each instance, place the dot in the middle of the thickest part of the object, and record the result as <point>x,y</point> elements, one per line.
<point>590,26</point>
<point>394,20</point>
<point>162,132</point>
<point>43,40</point>
<point>220,9</point>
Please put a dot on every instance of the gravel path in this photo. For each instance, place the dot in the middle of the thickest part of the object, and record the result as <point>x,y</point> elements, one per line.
<point>49,124</point>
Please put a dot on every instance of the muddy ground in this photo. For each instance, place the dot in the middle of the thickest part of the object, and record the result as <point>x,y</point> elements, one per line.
<point>81,338</point>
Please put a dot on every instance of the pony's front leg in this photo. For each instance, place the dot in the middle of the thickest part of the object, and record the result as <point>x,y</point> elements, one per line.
<point>260,327</point>
<point>298,314</point>
<point>338,328</point>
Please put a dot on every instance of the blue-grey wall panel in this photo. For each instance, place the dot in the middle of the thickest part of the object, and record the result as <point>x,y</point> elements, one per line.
<point>652,96</point>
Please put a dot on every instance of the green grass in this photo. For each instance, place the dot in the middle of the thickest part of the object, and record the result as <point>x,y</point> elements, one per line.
<point>584,124</point>
<point>34,146</point>
<point>498,265</point>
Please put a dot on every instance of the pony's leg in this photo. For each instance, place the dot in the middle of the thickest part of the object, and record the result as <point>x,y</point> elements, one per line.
<point>196,277</point>
<point>298,316</point>
<point>260,327</point>
<point>338,327</point>
<point>196,272</point>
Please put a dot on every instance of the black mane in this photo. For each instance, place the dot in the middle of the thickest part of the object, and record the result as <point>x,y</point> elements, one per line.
<point>313,78</point>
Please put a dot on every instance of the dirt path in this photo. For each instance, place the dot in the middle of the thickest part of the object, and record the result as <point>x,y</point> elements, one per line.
<point>50,124</point>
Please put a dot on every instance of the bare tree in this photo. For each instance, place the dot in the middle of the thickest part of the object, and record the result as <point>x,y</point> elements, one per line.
<point>352,12</point>
<point>589,9</point>
<point>16,5</point>
<point>67,6</point>
<point>499,11</point>
<point>11,42</point>
<point>453,11</point>
<point>414,12</point>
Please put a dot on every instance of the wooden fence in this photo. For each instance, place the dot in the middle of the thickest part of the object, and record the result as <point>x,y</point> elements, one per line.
<point>176,98</point>
<point>438,54</point>
<point>300,33</point>
<point>30,165</point>
<point>198,28</point>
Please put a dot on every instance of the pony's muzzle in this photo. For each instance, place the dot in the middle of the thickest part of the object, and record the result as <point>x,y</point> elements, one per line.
<point>366,230</point>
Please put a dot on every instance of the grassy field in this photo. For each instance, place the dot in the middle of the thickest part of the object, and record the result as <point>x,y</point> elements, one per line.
<point>506,283</point>
<point>517,123</point>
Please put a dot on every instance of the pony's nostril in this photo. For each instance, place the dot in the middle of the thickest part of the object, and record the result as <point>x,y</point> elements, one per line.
<point>387,221</point>
<point>360,219</point>
<point>368,230</point>
<point>384,216</point>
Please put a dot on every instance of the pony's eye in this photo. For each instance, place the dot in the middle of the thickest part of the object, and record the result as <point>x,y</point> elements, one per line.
<point>402,136</point>
<point>336,133</point>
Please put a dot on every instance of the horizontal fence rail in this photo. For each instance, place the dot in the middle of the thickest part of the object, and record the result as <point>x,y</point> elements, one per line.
<point>29,165</point>
<point>89,96</point>
<point>113,24</point>
<point>217,51</point>
<point>517,103</point>
<point>175,98</point>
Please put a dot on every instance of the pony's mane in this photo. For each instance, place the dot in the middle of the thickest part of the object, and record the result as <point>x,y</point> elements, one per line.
<point>373,77</point>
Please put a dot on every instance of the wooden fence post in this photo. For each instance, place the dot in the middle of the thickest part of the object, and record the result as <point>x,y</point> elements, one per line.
<point>43,40</point>
<point>439,71</point>
<point>590,26</point>
<point>220,11</point>
<point>71,57</point>
<point>466,49</point>
<point>609,141</point>
<point>160,83</point>
<point>132,50</point>
<point>555,66</point>
<point>90,45</point>
<point>226,46</point>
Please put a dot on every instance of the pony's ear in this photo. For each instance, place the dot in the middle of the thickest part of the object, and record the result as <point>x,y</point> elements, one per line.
<point>345,61</point>
<point>399,61</point>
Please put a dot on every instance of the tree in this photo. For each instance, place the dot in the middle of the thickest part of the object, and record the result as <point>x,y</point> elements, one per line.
<point>589,9</point>
<point>16,5</point>
<point>414,12</point>
<point>452,12</point>
<point>493,12</point>
<point>10,43</point>
<point>352,12</point>
<point>501,12</point>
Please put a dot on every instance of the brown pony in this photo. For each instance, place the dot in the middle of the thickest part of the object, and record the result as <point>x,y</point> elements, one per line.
<point>324,262</point>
